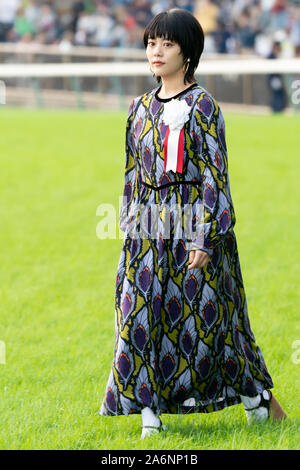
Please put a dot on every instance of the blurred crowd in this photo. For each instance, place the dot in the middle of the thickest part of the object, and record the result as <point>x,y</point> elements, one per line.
<point>230,26</point>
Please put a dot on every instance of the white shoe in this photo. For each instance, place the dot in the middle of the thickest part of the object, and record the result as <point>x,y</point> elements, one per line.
<point>150,430</point>
<point>261,411</point>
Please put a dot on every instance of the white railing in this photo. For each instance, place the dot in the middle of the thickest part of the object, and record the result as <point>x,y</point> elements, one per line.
<point>36,66</point>
<point>91,69</point>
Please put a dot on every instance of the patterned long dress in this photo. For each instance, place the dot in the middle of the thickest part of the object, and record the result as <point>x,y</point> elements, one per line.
<point>180,334</point>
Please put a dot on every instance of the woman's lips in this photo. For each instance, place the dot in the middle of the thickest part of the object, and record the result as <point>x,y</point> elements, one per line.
<point>158,63</point>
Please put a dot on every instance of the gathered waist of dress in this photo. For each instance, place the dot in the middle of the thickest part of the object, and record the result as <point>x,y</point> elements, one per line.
<point>170,184</point>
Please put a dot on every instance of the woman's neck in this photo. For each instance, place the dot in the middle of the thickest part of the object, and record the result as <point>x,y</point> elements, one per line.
<point>169,89</point>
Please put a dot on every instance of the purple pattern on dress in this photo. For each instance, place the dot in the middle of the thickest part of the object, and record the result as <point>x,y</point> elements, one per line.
<point>156,306</point>
<point>160,247</point>
<point>190,326</point>
<point>231,367</point>
<point>228,284</point>
<point>206,106</point>
<point>221,343</point>
<point>145,395</point>
<point>187,342</point>
<point>127,192</point>
<point>140,337</point>
<point>224,220</point>
<point>167,365</point>
<point>138,127</point>
<point>210,196</point>
<point>212,389</point>
<point>174,309</point>
<point>111,400</point>
<point>126,306</point>
<point>180,394</point>
<point>189,99</point>
<point>250,388</point>
<point>133,248</point>
<point>185,194</point>
<point>209,313</point>
<point>236,299</point>
<point>145,279</point>
<point>147,158</point>
<point>180,253</point>
<point>203,367</point>
<point>124,365</point>
<point>197,142</point>
<point>191,287</point>
<point>249,353</point>
<point>155,106</point>
<point>222,138</point>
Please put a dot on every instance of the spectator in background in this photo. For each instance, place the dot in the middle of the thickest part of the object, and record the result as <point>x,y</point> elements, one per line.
<point>279,15</point>
<point>141,10</point>
<point>32,10</point>
<point>22,26</point>
<point>132,30</point>
<point>224,38</point>
<point>297,51</point>
<point>104,26</point>
<point>77,8</point>
<point>295,26</point>
<point>245,32</point>
<point>278,98</point>
<point>206,12</point>
<point>119,36</point>
<point>46,23</point>
<point>8,9</point>
<point>66,41</point>
<point>229,25</point>
<point>86,29</point>
<point>185,5</point>
<point>160,5</point>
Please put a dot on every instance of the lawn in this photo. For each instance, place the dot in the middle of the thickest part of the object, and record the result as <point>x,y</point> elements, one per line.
<point>57,280</point>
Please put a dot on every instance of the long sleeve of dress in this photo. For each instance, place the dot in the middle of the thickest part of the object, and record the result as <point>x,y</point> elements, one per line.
<point>218,216</point>
<point>130,191</point>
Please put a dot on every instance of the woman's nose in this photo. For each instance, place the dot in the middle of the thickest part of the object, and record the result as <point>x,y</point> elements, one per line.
<point>157,50</point>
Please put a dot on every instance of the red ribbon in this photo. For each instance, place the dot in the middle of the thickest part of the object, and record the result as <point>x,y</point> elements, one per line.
<point>179,166</point>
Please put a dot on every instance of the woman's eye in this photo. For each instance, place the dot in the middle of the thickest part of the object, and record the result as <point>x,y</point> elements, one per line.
<point>166,44</point>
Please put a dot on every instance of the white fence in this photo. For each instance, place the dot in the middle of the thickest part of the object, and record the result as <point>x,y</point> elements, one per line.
<point>34,68</point>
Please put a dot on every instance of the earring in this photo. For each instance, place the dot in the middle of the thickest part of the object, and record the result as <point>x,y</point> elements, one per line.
<point>153,74</point>
<point>187,65</point>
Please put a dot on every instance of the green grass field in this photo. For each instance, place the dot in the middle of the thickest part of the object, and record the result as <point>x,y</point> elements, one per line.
<point>57,280</point>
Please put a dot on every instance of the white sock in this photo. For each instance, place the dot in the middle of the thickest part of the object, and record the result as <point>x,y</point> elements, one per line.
<point>250,402</point>
<point>149,418</point>
<point>261,412</point>
<point>189,402</point>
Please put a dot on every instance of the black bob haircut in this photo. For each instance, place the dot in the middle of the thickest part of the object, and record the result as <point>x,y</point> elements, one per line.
<point>182,27</point>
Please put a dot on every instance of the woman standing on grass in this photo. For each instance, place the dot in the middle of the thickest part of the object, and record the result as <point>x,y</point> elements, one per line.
<point>183,340</point>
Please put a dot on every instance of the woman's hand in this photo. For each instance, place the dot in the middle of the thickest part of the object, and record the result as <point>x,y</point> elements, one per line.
<point>198,258</point>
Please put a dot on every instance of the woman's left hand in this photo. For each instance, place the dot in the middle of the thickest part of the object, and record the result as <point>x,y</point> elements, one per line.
<point>198,259</point>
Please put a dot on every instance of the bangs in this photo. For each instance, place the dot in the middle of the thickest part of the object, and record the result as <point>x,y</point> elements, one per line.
<point>162,26</point>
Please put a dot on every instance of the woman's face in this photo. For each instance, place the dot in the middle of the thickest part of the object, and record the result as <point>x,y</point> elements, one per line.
<point>167,52</point>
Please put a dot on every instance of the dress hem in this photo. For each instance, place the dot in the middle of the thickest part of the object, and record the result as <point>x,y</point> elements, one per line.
<point>215,406</point>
